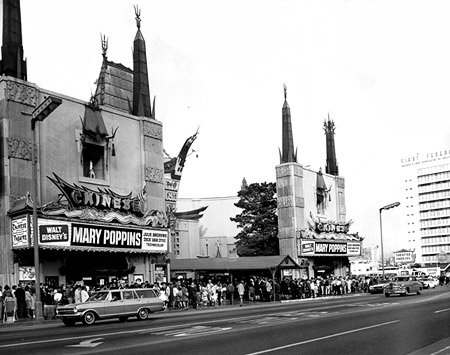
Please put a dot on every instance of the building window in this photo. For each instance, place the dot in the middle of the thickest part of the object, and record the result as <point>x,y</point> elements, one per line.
<point>93,161</point>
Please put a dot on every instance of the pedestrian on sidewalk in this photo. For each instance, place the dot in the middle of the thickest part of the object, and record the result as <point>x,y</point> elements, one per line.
<point>230,292</point>
<point>241,291</point>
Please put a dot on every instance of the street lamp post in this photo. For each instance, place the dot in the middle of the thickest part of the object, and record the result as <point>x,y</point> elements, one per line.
<point>39,114</point>
<point>387,207</point>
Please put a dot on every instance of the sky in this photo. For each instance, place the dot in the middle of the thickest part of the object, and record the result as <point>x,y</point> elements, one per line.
<point>379,69</point>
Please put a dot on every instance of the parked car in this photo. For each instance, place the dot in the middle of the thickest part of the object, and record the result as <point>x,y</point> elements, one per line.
<point>403,285</point>
<point>378,288</point>
<point>122,304</point>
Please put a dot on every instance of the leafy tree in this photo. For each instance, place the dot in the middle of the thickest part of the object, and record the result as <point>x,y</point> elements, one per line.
<point>258,220</point>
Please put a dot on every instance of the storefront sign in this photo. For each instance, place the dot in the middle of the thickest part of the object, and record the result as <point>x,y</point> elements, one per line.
<point>403,257</point>
<point>328,248</point>
<point>19,232</point>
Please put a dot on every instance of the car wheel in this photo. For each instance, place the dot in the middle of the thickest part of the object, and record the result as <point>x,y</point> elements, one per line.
<point>69,322</point>
<point>89,318</point>
<point>387,294</point>
<point>123,319</point>
<point>419,292</point>
<point>143,314</point>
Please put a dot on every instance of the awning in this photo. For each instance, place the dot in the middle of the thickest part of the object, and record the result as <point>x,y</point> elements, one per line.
<point>92,249</point>
<point>238,263</point>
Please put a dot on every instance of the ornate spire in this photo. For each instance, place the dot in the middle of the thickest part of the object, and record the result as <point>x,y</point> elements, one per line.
<point>12,63</point>
<point>104,41</point>
<point>141,87</point>
<point>287,155</point>
<point>331,164</point>
<point>244,184</point>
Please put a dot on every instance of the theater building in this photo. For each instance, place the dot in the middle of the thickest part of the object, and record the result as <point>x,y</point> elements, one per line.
<point>101,186</point>
<point>312,220</point>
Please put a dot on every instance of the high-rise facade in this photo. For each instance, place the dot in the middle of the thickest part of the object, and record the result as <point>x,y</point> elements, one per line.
<point>426,178</point>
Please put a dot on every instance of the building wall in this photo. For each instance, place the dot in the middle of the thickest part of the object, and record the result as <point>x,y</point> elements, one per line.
<point>185,242</point>
<point>426,204</point>
<point>335,204</point>
<point>138,161</point>
<point>214,230</point>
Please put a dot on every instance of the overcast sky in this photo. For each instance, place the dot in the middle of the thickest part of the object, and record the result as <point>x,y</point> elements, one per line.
<point>380,69</point>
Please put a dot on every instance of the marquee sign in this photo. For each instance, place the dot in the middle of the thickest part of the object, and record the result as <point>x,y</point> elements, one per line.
<point>328,248</point>
<point>70,235</point>
<point>331,227</point>
<point>81,196</point>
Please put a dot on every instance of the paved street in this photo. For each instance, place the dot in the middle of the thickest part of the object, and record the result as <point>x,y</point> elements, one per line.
<point>355,324</point>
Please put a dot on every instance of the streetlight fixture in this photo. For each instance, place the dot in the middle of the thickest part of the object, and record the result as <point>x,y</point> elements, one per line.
<point>387,207</point>
<point>40,113</point>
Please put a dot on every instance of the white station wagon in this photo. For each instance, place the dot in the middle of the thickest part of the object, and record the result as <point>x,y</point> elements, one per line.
<point>107,304</point>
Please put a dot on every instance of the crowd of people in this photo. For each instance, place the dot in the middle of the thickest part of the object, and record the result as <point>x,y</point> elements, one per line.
<point>184,294</point>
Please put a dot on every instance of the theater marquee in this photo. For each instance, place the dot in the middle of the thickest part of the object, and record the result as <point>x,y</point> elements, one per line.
<point>328,248</point>
<point>70,235</point>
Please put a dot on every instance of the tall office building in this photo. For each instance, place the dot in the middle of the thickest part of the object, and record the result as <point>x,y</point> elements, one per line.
<point>427,204</point>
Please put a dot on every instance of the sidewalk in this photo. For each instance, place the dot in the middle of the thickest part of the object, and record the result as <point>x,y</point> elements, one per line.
<point>27,323</point>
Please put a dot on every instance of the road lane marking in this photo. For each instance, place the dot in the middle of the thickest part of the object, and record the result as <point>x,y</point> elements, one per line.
<point>440,351</point>
<point>87,344</point>
<point>322,338</point>
<point>442,310</point>
<point>191,331</point>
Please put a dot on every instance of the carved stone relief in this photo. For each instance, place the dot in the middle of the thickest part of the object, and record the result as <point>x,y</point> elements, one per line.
<point>283,202</point>
<point>152,130</point>
<point>24,94</point>
<point>154,175</point>
<point>284,170</point>
<point>19,149</point>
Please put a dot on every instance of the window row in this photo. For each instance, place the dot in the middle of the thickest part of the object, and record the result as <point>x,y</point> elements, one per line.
<point>436,240</point>
<point>434,187</point>
<point>435,204</point>
<point>435,213</point>
<point>433,172</point>
<point>434,195</point>
<point>430,259</point>
<point>435,222</point>
<point>435,249</point>
<point>435,231</point>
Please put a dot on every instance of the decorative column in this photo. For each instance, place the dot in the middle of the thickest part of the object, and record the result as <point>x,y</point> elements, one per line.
<point>291,205</point>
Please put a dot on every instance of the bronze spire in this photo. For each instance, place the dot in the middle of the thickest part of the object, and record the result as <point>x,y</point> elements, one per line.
<point>12,63</point>
<point>141,87</point>
<point>331,165</point>
<point>287,154</point>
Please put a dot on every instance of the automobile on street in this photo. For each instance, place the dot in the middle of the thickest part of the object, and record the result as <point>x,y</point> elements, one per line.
<point>120,303</point>
<point>403,285</point>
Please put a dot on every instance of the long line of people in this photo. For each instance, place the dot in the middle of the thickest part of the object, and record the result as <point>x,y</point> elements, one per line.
<point>184,294</point>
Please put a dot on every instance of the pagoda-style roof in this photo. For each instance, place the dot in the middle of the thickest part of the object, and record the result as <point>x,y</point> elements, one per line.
<point>115,86</point>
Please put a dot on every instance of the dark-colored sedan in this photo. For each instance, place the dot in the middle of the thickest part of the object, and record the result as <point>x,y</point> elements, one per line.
<point>403,285</point>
